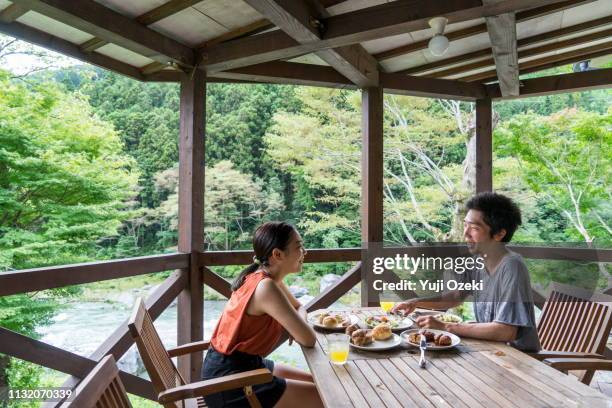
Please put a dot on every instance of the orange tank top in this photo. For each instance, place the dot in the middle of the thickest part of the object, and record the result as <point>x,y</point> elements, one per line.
<point>239,331</point>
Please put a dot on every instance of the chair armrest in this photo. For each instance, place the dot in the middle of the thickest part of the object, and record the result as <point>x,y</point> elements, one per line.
<point>544,354</point>
<point>206,387</point>
<point>565,364</point>
<point>188,348</point>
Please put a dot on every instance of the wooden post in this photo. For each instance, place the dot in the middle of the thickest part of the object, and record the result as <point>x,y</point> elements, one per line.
<point>190,314</point>
<point>371,186</point>
<point>484,145</point>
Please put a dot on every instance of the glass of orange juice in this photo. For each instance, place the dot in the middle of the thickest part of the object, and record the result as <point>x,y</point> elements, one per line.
<point>387,306</point>
<point>338,347</point>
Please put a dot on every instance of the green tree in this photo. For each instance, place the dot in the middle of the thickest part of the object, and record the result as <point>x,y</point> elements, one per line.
<point>63,185</point>
<point>564,158</point>
<point>321,147</point>
<point>234,205</point>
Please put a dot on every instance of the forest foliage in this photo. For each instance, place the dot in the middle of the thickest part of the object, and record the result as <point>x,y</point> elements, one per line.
<point>88,171</point>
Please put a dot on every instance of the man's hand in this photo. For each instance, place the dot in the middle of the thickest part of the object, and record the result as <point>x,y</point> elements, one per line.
<point>430,322</point>
<point>406,307</point>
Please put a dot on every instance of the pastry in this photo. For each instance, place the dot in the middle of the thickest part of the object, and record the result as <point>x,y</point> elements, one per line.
<point>443,340</point>
<point>322,316</point>
<point>351,329</point>
<point>382,331</point>
<point>330,321</point>
<point>414,338</point>
<point>429,336</point>
<point>362,337</point>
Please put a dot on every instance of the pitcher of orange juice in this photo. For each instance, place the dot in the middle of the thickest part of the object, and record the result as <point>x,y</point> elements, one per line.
<point>338,348</point>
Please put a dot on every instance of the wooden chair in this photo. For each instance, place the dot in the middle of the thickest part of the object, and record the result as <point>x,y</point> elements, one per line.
<point>173,391</point>
<point>574,329</point>
<point>102,388</point>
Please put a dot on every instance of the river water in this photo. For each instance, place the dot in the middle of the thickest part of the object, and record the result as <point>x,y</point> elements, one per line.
<point>80,327</point>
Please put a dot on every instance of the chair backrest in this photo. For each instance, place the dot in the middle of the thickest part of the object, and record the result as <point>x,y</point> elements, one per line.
<point>164,374</point>
<point>102,388</point>
<point>576,320</point>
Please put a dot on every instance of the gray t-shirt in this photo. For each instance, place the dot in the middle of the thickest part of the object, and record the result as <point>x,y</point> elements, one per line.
<point>506,298</point>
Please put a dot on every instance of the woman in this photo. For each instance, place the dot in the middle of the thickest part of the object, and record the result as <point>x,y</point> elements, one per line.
<point>260,307</point>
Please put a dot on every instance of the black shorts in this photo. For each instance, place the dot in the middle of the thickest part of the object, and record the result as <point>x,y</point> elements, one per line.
<point>217,365</point>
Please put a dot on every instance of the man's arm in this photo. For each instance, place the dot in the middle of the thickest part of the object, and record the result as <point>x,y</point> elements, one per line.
<point>487,331</point>
<point>494,331</point>
<point>446,300</point>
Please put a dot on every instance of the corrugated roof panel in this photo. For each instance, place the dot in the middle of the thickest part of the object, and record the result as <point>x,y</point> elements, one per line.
<point>54,27</point>
<point>190,27</point>
<point>405,61</point>
<point>231,15</point>
<point>587,12</point>
<point>124,55</point>
<point>388,43</point>
<point>352,5</point>
<point>132,8</point>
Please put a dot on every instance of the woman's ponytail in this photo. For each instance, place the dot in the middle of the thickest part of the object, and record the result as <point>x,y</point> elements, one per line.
<point>268,236</point>
<point>239,280</point>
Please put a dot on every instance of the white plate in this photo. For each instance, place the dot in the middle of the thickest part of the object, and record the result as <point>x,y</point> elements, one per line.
<point>378,345</point>
<point>314,320</point>
<point>403,323</point>
<point>456,318</point>
<point>455,340</point>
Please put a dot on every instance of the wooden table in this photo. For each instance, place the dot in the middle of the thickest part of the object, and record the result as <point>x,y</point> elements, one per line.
<point>475,374</point>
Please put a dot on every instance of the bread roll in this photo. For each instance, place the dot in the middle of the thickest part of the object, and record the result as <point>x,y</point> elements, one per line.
<point>330,321</point>
<point>382,331</point>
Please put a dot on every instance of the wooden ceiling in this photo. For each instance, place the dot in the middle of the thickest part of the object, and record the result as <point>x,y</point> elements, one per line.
<point>322,42</point>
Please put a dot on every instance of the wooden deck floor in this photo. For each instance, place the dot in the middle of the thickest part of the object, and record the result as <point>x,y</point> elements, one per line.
<point>602,381</point>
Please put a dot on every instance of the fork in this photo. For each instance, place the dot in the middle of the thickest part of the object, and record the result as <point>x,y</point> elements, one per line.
<point>423,347</point>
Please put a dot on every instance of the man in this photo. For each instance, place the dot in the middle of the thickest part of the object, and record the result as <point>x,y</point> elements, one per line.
<point>504,308</point>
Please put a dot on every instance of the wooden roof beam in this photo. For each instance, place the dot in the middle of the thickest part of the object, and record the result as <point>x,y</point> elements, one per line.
<point>574,82</point>
<point>12,13</point>
<point>502,33</point>
<point>431,87</point>
<point>280,72</point>
<point>523,42</point>
<point>371,23</point>
<point>110,26</point>
<point>48,41</point>
<point>530,52</point>
<point>302,22</point>
<point>547,62</point>
<point>521,16</point>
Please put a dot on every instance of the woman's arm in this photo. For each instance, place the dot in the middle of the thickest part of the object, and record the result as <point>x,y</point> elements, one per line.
<point>270,299</point>
<point>296,303</point>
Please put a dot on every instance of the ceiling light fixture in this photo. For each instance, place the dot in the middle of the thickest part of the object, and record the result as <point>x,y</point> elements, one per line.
<point>438,43</point>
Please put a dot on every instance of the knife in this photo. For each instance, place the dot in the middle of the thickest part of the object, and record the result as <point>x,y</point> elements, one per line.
<point>423,347</point>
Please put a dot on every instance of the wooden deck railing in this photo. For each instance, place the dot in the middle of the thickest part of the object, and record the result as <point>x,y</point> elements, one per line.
<point>120,341</point>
